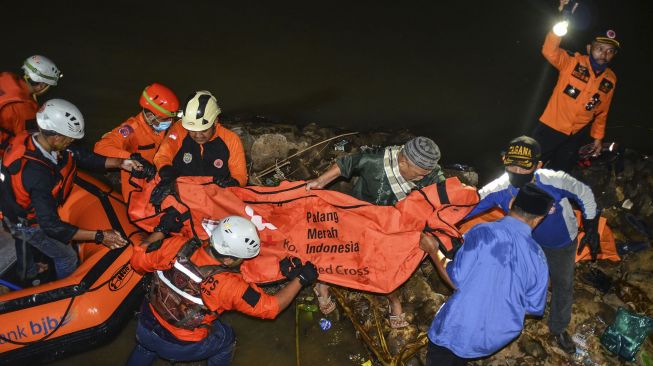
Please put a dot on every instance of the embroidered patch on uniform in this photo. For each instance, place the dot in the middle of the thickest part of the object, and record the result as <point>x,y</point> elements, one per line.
<point>218,163</point>
<point>251,296</point>
<point>571,91</point>
<point>125,130</point>
<point>188,157</point>
<point>606,85</point>
<point>581,73</point>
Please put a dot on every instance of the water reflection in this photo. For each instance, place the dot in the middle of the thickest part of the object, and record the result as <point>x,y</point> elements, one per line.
<point>260,343</point>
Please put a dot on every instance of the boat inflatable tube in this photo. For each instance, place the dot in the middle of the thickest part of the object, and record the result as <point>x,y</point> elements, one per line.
<point>86,309</point>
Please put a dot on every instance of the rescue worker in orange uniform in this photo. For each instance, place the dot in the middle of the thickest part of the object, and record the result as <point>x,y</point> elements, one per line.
<point>194,282</point>
<point>18,95</point>
<point>580,100</point>
<point>139,136</point>
<point>200,146</point>
<point>38,171</point>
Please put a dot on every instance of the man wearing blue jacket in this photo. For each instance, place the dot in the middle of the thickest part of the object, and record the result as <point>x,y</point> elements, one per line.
<point>558,231</point>
<point>500,274</point>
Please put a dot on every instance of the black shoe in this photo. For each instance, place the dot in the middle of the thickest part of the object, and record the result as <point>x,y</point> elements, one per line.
<point>565,342</point>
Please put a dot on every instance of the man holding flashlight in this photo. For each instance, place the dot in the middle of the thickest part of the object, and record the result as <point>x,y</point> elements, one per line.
<point>581,98</point>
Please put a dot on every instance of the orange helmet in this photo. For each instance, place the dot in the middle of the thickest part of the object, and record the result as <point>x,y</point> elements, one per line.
<point>160,100</point>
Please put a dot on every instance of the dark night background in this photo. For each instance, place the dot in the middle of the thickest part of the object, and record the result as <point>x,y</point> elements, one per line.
<point>469,74</point>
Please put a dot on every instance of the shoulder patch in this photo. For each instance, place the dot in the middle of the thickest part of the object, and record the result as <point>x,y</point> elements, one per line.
<point>606,86</point>
<point>251,296</point>
<point>125,130</point>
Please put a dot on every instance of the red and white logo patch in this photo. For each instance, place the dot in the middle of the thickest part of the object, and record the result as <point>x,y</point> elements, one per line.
<point>218,163</point>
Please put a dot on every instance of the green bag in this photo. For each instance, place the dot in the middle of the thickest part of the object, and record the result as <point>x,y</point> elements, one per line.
<point>627,333</point>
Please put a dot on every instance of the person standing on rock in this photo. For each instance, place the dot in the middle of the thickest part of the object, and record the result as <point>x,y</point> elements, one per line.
<point>581,99</point>
<point>500,274</point>
<point>18,95</point>
<point>384,178</point>
<point>559,230</point>
<point>199,146</point>
<point>139,136</point>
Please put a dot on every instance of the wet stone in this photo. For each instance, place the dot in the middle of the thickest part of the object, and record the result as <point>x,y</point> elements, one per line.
<point>531,347</point>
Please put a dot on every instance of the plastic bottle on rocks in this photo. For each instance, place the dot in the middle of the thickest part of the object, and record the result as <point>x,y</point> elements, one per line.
<point>325,324</point>
<point>582,355</point>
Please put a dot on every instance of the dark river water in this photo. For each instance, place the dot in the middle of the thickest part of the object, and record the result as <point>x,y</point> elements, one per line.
<point>468,74</point>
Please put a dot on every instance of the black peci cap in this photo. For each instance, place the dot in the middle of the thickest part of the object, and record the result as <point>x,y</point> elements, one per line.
<point>533,200</point>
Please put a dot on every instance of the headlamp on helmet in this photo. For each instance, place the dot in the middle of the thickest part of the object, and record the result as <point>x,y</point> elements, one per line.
<point>41,69</point>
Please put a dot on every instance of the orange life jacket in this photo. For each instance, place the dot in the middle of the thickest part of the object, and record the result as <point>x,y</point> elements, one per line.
<point>13,90</point>
<point>176,294</point>
<point>21,149</point>
<point>353,243</point>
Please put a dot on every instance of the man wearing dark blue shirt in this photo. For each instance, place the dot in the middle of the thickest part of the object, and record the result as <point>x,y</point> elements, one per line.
<point>500,274</point>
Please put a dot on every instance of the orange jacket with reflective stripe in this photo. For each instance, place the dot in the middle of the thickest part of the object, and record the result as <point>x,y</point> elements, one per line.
<point>220,292</point>
<point>566,110</point>
<point>16,105</point>
<point>178,144</point>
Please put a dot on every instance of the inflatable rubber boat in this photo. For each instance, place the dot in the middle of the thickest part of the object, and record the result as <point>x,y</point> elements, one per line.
<point>88,308</point>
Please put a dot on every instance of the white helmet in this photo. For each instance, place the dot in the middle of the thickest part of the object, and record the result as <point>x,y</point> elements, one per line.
<point>41,70</point>
<point>236,236</point>
<point>62,117</point>
<point>200,111</point>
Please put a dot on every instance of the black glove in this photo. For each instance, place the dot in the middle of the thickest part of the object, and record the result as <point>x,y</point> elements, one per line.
<point>170,222</point>
<point>225,182</point>
<point>149,170</point>
<point>165,186</point>
<point>591,237</point>
<point>290,267</point>
<point>307,274</point>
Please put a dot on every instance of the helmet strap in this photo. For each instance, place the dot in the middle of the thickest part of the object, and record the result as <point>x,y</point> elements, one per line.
<point>214,253</point>
<point>236,263</point>
<point>41,91</point>
<point>147,119</point>
<point>43,141</point>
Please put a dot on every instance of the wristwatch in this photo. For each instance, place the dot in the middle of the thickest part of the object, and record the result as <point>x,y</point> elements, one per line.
<point>99,237</point>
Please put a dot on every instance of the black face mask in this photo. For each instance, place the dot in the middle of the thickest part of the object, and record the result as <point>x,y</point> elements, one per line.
<point>519,180</point>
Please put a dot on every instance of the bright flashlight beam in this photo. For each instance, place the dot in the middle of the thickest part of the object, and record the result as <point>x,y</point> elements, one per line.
<point>560,29</point>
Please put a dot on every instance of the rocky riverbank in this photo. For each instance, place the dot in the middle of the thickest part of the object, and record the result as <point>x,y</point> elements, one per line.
<point>623,184</point>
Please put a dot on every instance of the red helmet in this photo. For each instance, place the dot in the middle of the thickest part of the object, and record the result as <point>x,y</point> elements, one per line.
<point>160,100</point>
